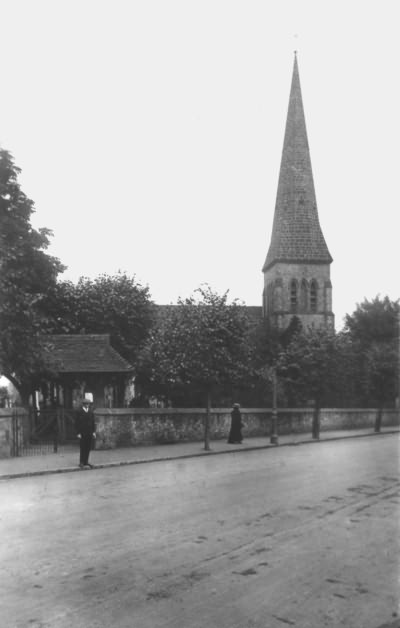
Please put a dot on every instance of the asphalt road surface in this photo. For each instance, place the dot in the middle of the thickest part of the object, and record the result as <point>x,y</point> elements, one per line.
<point>304,536</point>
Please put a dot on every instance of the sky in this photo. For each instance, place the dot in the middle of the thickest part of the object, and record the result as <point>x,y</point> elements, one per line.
<point>150,132</point>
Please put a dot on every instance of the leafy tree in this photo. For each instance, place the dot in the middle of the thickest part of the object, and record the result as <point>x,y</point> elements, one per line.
<point>27,272</point>
<point>373,332</point>
<point>309,364</point>
<point>200,343</point>
<point>345,391</point>
<point>264,342</point>
<point>373,321</point>
<point>267,343</point>
<point>381,380</point>
<point>114,304</point>
<point>295,327</point>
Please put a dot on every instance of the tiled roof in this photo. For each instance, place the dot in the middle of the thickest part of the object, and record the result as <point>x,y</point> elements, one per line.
<point>254,312</point>
<point>84,353</point>
<point>296,232</point>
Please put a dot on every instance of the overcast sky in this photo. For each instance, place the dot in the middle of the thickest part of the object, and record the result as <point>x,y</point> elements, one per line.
<point>150,132</point>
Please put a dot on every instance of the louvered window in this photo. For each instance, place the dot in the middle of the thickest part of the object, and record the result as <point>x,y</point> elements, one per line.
<point>303,296</point>
<point>293,295</point>
<point>313,296</point>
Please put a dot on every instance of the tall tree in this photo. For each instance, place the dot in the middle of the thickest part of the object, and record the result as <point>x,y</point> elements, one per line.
<point>267,343</point>
<point>26,273</point>
<point>264,342</point>
<point>309,363</point>
<point>200,342</point>
<point>373,321</point>
<point>373,330</point>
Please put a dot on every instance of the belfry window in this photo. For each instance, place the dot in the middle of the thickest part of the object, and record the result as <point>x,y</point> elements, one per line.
<point>303,296</point>
<point>293,296</point>
<point>313,296</point>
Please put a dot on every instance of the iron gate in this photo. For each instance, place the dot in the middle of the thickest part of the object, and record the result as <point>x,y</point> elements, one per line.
<point>41,432</point>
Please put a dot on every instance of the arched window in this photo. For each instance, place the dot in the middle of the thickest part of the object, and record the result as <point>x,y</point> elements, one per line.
<point>303,296</point>
<point>314,296</point>
<point>293,296</point>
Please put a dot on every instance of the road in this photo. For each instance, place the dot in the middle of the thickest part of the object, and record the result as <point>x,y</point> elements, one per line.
<point>304,536</point>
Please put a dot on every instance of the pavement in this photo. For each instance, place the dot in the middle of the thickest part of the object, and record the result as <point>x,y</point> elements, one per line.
<point>66,460</point>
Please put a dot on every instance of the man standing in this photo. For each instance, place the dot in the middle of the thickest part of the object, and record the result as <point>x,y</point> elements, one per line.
<point>86,431</point>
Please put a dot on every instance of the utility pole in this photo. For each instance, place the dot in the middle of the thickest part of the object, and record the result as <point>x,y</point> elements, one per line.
<point>274,426</point>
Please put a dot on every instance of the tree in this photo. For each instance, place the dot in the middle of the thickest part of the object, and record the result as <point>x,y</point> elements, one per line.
<point>381,380</point>
<point>373,321</point>
<point>27,272</point>
<point>267,343</point>
<point>265,346</point>
<point>345,389</point>
<point>373,332</point>
<point>113,304</point>
<point>309,364</point>
<point>202,343</point>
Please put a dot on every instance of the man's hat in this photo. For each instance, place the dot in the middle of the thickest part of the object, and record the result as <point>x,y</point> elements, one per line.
<point>236,405</point>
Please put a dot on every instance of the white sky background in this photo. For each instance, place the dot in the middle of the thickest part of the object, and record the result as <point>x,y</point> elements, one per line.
<point>150,132</point>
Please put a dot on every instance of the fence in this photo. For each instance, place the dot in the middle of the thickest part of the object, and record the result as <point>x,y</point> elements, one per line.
<point>28,433</point>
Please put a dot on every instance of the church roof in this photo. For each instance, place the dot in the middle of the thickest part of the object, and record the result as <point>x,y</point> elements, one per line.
<point>296,232</point>
<point>84,353</point>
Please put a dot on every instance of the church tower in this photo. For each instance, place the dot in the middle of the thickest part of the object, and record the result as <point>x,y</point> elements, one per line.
<point>297,266</point>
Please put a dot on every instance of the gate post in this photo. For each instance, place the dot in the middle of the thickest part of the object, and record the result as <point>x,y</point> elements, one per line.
<point>15,434</point>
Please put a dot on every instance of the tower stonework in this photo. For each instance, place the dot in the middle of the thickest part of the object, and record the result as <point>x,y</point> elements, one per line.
<point>297,267</point>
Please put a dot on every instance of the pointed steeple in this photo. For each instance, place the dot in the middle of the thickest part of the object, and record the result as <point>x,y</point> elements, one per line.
<point>296,233</point>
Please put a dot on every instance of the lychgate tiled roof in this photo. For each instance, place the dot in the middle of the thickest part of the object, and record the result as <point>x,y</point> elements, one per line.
<point>296,232</point>
<point>84,353</point>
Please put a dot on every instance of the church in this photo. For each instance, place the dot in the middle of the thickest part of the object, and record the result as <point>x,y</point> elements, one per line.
<point>297,266</point>
<point>296,277</point>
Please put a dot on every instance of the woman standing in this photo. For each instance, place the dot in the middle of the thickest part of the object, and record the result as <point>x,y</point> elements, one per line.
<point>235,434</point>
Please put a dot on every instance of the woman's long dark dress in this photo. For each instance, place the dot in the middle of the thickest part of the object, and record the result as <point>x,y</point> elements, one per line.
<point>235,433</point>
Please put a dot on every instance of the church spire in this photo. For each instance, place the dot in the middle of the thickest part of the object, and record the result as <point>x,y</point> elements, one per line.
<point>296,232</point>
<point>297,266</point>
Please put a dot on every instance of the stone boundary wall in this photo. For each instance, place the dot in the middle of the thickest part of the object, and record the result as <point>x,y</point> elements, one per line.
<point>129,427</point>
<point>149,426</point>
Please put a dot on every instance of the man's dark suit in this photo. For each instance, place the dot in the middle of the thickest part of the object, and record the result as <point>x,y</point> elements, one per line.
<point>86,427</point>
